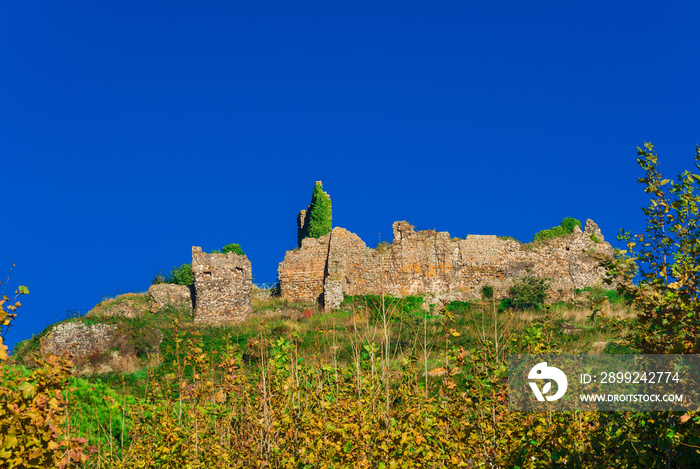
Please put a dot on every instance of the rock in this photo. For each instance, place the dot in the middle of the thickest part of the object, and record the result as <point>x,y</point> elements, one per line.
<point>402,230</point>
<point>168,294</point>
<point>592,229</point>
<point>569,329</point>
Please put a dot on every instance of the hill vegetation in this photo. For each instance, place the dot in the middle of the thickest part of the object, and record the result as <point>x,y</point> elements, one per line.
<point>565,228</point>
<point>382,382</point>
<point>378,381</point>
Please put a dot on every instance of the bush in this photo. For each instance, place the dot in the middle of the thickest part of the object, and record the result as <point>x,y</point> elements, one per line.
<point>569,224</point>
<point>529,292</point>
<point>158,278</point>
<point>565,228</point>
<point>32,410</point>
<point>181,275</point>
<point>234,248</point>
<point>505,304</point>
<point>459,306</point>
<point>487,292</point>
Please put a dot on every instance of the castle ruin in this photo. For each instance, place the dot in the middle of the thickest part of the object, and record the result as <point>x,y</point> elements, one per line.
<point>428,262</point>
<point>223,284</point>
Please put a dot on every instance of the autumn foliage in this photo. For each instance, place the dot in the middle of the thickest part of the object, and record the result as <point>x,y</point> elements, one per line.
<point>33,410</point>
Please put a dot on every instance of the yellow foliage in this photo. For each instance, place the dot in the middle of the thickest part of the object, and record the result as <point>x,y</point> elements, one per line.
<point>32,410</point>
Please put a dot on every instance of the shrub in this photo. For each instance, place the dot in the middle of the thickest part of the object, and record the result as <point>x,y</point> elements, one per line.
<point>530,292</point>
<point>234,248</point>
<point>32,410</point>
<point>181,275</point>
<point>596,294</point>
<point>459,306</point>
<point>505,304</point>
<point>487,292</point>
<point>569,223</point>
<point>158,278</point>
<point>565,228</point>
<point>382,246</point>
<point>556,232</point>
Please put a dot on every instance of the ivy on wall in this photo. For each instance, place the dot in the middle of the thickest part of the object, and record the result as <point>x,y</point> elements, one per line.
<point>318,220</point>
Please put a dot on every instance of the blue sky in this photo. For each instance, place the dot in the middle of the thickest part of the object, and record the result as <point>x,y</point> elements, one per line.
<point>131,131</point>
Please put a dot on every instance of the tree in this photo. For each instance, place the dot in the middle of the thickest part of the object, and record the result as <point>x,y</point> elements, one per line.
<point>33,410</point>
<point>318,219</point>
<point>667,256</point>
<point>668,303</point>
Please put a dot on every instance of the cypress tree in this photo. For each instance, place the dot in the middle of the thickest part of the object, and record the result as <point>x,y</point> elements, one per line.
<point>318,220</point>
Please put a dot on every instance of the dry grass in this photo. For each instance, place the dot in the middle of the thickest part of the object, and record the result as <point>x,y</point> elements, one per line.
<point>127,305</point>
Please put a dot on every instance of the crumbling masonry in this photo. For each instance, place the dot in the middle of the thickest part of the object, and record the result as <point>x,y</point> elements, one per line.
<point>222,284</point>
<point>323,270</point>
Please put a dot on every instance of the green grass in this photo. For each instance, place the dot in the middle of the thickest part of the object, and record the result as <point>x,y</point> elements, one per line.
<point>99,410</point>
<point>325,344</point>
<point>336,334</point>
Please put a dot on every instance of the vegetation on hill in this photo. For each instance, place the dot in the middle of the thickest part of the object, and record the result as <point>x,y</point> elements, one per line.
<point>182,275</point>
<point>378,382</point>
<point>565,228</point>
<point>234,248</point>
<point>383,382</point>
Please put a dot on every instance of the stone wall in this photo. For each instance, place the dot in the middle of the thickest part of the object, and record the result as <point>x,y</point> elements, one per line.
<point>302,272</point>
<point>430,262</point>
<point>168,294</point>
<point>78,339</point>
<point>223,285</point>
<point>99,348</point>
